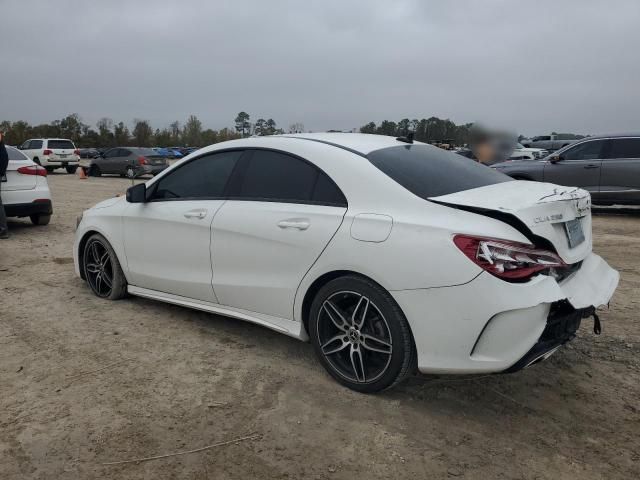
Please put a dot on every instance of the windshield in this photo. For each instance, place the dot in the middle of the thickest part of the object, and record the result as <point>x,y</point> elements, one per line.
<point>428,171</point>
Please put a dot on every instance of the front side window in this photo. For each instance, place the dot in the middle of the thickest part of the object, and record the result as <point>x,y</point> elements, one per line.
<point>204,177</point>
<point>625,148</point>
<point>584,151</point>
<point>111,153</point>
<point>428,171</point>
<point>35,144</point>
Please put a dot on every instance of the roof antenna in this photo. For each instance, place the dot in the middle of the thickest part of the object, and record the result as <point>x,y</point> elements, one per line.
<point>408,138</point>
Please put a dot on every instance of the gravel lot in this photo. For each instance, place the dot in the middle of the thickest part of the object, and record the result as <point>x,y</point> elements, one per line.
<point>85,382</point>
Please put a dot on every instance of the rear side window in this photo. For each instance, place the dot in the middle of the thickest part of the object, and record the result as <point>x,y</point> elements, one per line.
<point>204,177</point>
<point>428,171</point>
<point>61,144</point>
<point>327,192</point>
<point>625,148</point>
<point>273,176</point>
<point>15,154</point>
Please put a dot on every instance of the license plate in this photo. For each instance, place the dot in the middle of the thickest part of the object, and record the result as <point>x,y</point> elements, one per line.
<point>575,235</point>
<point>63,155</point>
<point>3,178</point>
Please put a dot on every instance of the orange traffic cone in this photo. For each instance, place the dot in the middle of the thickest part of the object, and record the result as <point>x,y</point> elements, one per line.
<point>82,173</point>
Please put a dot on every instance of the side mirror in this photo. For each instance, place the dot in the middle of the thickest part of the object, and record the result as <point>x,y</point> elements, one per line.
<point>555,158</point>
<point>137,193</point>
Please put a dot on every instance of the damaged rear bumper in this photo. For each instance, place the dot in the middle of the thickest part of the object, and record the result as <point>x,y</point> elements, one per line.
<point>488,325</point>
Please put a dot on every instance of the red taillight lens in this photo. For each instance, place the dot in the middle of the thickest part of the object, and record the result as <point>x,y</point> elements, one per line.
<point>47,152</point>
<point>142,160</point>
<point>505,259</point>
<point>76,152</point>
<point>33,170</point>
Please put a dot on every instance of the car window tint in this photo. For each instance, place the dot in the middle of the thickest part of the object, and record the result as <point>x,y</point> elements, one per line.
<point>275,176</point>
<point>584,151</point>
<point>111,153</point>
<point>428,171</point>
<point>35,144</point>
<point>15,154</point>
<point>61,144</point>
<point>204,177</point>
<point>327,192</point>
<point>625,148</point>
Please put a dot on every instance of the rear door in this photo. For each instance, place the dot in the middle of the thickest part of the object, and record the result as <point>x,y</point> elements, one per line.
<point>167,239</point>
<point>61,149</point>
<point>281,213</point>
<point>579,166</point>
<point>620,178</point>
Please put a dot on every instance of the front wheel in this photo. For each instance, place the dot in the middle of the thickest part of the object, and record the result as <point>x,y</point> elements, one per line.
<point>102,269</point>
<point>40,219</point>
<point>360,335</point>
<point>94,171</point>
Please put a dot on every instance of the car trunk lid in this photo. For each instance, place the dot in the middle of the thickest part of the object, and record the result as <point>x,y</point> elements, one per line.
<point>560,215</point>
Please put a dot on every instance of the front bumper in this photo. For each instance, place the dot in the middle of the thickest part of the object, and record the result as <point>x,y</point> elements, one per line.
<point>488,325</point>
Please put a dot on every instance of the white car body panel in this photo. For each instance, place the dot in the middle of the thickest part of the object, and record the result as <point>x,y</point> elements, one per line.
<point>23,189</point>
<point>261,251</point>
<point>237,261</point>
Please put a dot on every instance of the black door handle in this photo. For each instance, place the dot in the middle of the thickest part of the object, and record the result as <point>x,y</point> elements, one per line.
<point>591,166</point>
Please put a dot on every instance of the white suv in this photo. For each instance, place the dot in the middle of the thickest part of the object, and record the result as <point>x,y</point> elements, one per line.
<point>52,153</point>
<point>25,191</point>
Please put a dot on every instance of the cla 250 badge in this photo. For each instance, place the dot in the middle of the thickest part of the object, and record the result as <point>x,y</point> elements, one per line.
<point>548,218</point>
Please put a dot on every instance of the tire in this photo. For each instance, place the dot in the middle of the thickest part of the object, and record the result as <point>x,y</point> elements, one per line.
<point>102,270</point>
<point>71,170</point>
<point>50,169</point>
<point>94,171</point>
<point>130,172</point>
<point>40,219</point>
<point>363,317</point>
<point>37,160</point>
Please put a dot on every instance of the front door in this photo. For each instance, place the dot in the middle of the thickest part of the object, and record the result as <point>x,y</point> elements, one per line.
<point>167,239</point>
<point>281,214</point>
<point>579,166</point>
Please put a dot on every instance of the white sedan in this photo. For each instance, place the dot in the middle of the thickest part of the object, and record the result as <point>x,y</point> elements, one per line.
<point>387,255</point>
<point>25,191</point>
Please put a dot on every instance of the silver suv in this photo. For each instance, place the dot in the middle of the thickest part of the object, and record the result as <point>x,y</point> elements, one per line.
<point>608,166</point>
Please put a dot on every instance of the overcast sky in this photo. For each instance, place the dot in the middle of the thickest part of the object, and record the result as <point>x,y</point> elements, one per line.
<point>533,66</point>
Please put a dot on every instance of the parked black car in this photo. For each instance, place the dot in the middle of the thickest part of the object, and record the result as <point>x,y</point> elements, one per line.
<point>608,166</point>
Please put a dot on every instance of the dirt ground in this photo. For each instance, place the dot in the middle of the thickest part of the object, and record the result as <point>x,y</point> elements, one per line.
<point>84,382</point>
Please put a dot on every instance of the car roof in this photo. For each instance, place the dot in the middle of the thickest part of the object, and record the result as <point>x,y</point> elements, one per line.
<point>613,135</point>
<point>361,143</point>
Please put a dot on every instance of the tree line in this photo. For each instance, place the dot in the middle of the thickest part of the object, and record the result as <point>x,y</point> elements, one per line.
<point>108,133</point>
<point>430,130</point>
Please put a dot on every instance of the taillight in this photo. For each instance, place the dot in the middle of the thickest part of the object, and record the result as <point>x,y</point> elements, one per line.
<point>142,160</point>
<point>76,152</point>
<point>506,259</point>
<point>48,152</point>
<point>33,170</point>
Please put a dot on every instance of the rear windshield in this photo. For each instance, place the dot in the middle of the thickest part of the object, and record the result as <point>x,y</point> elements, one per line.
<point>428,171</point>
<point>62,144</point>
<point>15,154</point>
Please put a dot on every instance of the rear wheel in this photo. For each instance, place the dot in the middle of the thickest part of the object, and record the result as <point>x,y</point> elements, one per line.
<point>40,219</point>
<point>360,335</point>
<point>50,169</point>
<point>130,172</point>
<point>37,160</point>
<point>72,170</point>
<point>94,171</point>
<point>102,269</point>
